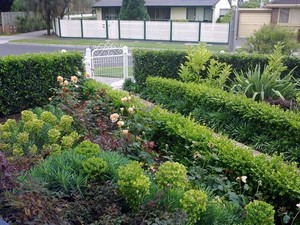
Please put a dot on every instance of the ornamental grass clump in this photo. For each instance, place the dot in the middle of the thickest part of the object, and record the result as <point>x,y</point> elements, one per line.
<point>172,175</point>
<point>133,184</point>
<point>259,212</point>
<point>193,203</point>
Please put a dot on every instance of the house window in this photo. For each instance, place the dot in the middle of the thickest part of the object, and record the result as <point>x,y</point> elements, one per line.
<point>284,15</point>
<point>191,13</point>
<point>163,13</point>
<point>208,14</point>
<point>110,13</point>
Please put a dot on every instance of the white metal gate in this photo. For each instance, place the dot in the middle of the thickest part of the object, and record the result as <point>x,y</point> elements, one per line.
<point>109,60</point>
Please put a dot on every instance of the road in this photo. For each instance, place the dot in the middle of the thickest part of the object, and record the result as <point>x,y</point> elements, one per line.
<point>18,49</point>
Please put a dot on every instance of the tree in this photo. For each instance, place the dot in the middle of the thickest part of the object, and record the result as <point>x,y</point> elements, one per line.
<point>48,9</point>
<point>6,5</point>
<point>133,10</point>
<point>252,3</point>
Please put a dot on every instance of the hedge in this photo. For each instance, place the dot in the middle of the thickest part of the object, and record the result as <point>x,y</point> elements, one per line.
<point>262,118</point>
<point>166,63</point>
<point>26,80</point>
<point>280,180</point>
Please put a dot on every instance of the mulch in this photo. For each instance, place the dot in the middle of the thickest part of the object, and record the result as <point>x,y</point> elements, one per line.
<point>13,116</point>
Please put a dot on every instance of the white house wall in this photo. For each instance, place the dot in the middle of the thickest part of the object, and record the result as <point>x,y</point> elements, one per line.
<point>222,4</point>
<point>99,13</point>
<point>199,13</point>
<point>178,13</point>
<point>294,17</point>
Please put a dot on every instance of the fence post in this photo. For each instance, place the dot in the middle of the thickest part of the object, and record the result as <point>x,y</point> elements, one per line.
<point>81,25</point>
<point>119,29</point>
<point>106,24</point>
<point>145,30</point>
<point>171,29</point>
<point>88,61</point>
<point>125,62</point>
<point>199,34</point>
<point>59,28</point>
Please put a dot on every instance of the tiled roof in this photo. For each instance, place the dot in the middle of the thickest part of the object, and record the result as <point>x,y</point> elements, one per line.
<point>161,3</point>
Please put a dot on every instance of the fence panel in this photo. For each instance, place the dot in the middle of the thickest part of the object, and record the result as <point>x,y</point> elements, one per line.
<point>132,29</point>
<point>214,32</point>
<point>10,18</point>
<point>113,29</point>
<point>70,28</point>
<point>185,31</point>
<point>158,30</point>
<point>94,28</point>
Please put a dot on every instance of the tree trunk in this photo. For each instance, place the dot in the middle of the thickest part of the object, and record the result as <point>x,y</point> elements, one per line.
<point>48,22</point>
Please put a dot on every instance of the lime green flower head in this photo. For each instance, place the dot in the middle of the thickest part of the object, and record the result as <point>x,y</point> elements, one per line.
<point>53,135</point>
<point>67,141</point>
<point>17,151</point>
<point>23,138</point>
<point>94,167</point>
<point>28,115</point>
<point>66,122</point>
<point>34,126</point>
<point>10,125</point>
<point>48,117</point>
<point>5,136</point>
<point>33,149</point>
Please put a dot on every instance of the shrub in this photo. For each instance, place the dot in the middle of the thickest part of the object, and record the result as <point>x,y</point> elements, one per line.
<point>263,40</point>
<point>182,137</point>
<point>171,175</point>
<point>259,212</point>
<point>88,149</point>
<point>194,202</point>
<point>261,119</point>
<point>36,133</point>
<point>94,167</point>
<point>267,85</point>
<point>167,63</point>
<point>133,184</point>
<point>27,80</point>
<point>196,68</point>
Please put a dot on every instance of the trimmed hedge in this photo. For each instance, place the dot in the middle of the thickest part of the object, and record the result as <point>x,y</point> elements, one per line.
<point>262,118</point>
<point>26,80</point>
<point>183,136</point>
<point>166,63</point>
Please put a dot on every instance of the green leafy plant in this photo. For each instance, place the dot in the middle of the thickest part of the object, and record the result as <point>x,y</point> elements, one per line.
<point>267,84</point>
<point>194,202</point>
<point>62,171</point>
<point>28,81</point>
<point>259,212</point>
<point>35,133</point>
<point>94,167</point>
<point>133,184</point>
<point>88,149</point>
<point>195,68</point>
<point>171,175</point>
<point>263,40</point>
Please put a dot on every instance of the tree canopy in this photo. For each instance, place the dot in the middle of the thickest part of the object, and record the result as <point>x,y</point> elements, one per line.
<point>6,5</point>
<point>133,10</point>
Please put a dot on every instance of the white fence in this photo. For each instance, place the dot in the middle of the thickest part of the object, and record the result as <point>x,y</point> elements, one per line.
<point>144,30</point>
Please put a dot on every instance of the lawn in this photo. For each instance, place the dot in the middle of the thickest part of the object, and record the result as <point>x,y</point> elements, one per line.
<point>130,43</point>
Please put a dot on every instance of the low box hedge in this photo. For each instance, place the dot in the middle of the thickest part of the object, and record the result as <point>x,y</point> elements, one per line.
<point>26,80</point>
<point>183,136</point>
<point>166,63</point>
<point>262,118</point>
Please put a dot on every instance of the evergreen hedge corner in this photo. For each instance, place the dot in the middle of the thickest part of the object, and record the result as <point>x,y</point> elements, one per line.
<point>26,80</point>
